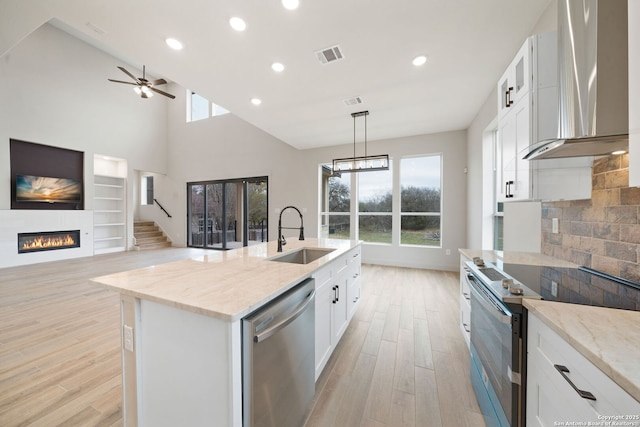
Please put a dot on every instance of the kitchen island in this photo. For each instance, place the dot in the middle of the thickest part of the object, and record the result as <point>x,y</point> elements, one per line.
<point>181,328</point>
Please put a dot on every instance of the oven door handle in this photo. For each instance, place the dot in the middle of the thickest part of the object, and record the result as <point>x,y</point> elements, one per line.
<point>492,306</point>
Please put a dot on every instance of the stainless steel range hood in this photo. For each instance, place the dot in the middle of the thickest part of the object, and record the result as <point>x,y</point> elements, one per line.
<point>593,83</point>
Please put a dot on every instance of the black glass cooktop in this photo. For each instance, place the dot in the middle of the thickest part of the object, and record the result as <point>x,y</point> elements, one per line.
<point>577,286</point>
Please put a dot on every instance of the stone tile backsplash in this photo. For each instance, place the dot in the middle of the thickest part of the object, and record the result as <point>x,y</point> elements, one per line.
<point>604,232</point>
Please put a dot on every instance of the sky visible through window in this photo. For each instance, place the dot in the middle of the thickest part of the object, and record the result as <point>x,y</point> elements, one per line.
<point>416,172</point>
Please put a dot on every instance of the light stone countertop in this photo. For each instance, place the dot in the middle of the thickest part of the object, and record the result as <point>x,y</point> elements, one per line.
<point>224,284</point>
<point>512,257</point>
<point>607,337</point>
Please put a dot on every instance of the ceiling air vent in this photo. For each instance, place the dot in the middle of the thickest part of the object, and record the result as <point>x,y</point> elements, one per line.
<point>330,54</point>
<point>354,100</point>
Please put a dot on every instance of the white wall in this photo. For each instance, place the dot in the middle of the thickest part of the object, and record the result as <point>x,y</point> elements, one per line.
<point>54,91</point>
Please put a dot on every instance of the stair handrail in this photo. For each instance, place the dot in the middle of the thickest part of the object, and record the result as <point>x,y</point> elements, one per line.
<point>161,207</point>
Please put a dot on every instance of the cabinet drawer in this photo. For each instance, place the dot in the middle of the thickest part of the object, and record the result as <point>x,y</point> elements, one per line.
<point>354,255</point>
<point>548,349</point>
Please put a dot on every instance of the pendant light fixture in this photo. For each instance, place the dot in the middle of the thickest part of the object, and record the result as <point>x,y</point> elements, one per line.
<point>363,163</point>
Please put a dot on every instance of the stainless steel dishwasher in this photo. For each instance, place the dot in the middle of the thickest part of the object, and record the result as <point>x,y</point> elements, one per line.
<point>278,352</point>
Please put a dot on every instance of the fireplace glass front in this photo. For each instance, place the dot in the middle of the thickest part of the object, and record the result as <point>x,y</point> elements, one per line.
<point>48,240</point>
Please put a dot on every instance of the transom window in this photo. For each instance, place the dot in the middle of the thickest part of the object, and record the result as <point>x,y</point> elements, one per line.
<point>199,108</point>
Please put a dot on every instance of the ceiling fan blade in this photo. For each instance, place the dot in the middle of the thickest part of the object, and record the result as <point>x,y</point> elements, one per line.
<point>162,93</point>
<point>120,81</point>
<point>129,74</point>
<point>159,82</point>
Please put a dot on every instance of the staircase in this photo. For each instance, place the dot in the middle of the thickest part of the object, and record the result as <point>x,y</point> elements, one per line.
<point>148,236</point>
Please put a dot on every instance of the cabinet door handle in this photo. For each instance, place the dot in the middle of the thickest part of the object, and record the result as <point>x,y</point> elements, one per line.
<point>334,295</point>
<point>507,189</point>
<point>582,393</point>
<point>466,296</point>
<point>466,328</point>
<point>338,289</point>
<point>508,102</point>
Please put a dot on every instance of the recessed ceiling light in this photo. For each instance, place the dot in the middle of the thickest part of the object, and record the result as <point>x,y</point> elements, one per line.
<point>256,101</point>
<point>290,4</point>
<point>615,153</point>
<point>419,60</point>
<point>237,24</point>
<point>277,67</point>
<point>174,44</point>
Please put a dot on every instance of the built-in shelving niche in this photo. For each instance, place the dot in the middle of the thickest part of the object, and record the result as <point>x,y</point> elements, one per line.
<point>109,204</point>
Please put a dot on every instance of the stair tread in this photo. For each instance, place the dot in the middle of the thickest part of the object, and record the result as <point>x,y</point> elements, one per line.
<point>148,235</point>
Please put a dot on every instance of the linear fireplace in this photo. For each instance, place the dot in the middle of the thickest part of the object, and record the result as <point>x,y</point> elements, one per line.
<point>48,241</point>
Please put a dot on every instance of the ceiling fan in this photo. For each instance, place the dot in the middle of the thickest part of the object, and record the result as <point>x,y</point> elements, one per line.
<point>144,87</point>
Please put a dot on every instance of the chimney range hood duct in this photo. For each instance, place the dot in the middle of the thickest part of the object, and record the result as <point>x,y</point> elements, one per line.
<point>593,89</point>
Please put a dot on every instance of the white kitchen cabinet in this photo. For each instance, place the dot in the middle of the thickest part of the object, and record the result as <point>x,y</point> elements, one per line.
<point>527,113</point>
<point>338,287</point>
<point>324,321</point>
<point>340,313</point>
<point>552,399</point>
<point>109,214</point>
<point>465,302</point>
<point>514,83</point>
<point>354,289</point>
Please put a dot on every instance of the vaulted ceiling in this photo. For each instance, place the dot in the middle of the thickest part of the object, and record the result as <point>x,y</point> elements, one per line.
<point>467,44</point>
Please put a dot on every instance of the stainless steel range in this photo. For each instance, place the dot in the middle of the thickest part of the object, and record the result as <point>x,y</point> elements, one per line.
<point>497,341</point>
<point>499,323</point>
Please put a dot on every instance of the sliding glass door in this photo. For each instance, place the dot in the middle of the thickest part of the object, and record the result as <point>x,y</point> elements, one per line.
<point>227,214</point>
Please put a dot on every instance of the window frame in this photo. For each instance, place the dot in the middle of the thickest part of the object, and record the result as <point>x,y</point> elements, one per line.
<point>390,213</point>
<point>324,197</point>
<point>426,214</point>
<point>243,213</point>
<point>395,213</point>
<point>213,109</point>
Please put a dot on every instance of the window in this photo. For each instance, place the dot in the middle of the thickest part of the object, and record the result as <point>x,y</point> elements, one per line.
<point>227,214</point>
<point>498,227</point>
<point>146,190</point>
<point>498,212</point>
<point>218,110</point>
<point>420,200</point>
<point>335,204</point>
<point>199,108</point>
<point>375,197</point>
<point>404,208</point>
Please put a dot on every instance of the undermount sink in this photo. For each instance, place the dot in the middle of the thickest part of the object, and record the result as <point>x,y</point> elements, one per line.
<point>302,255</point>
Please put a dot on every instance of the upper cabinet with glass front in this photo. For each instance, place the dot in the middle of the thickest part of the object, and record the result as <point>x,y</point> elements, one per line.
<point>515,82</point>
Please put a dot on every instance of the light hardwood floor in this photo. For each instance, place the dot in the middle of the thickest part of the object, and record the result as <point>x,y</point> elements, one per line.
<point>402,361</point>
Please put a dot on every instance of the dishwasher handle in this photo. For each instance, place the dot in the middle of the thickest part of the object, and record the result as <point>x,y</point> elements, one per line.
<point>284,322</point>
